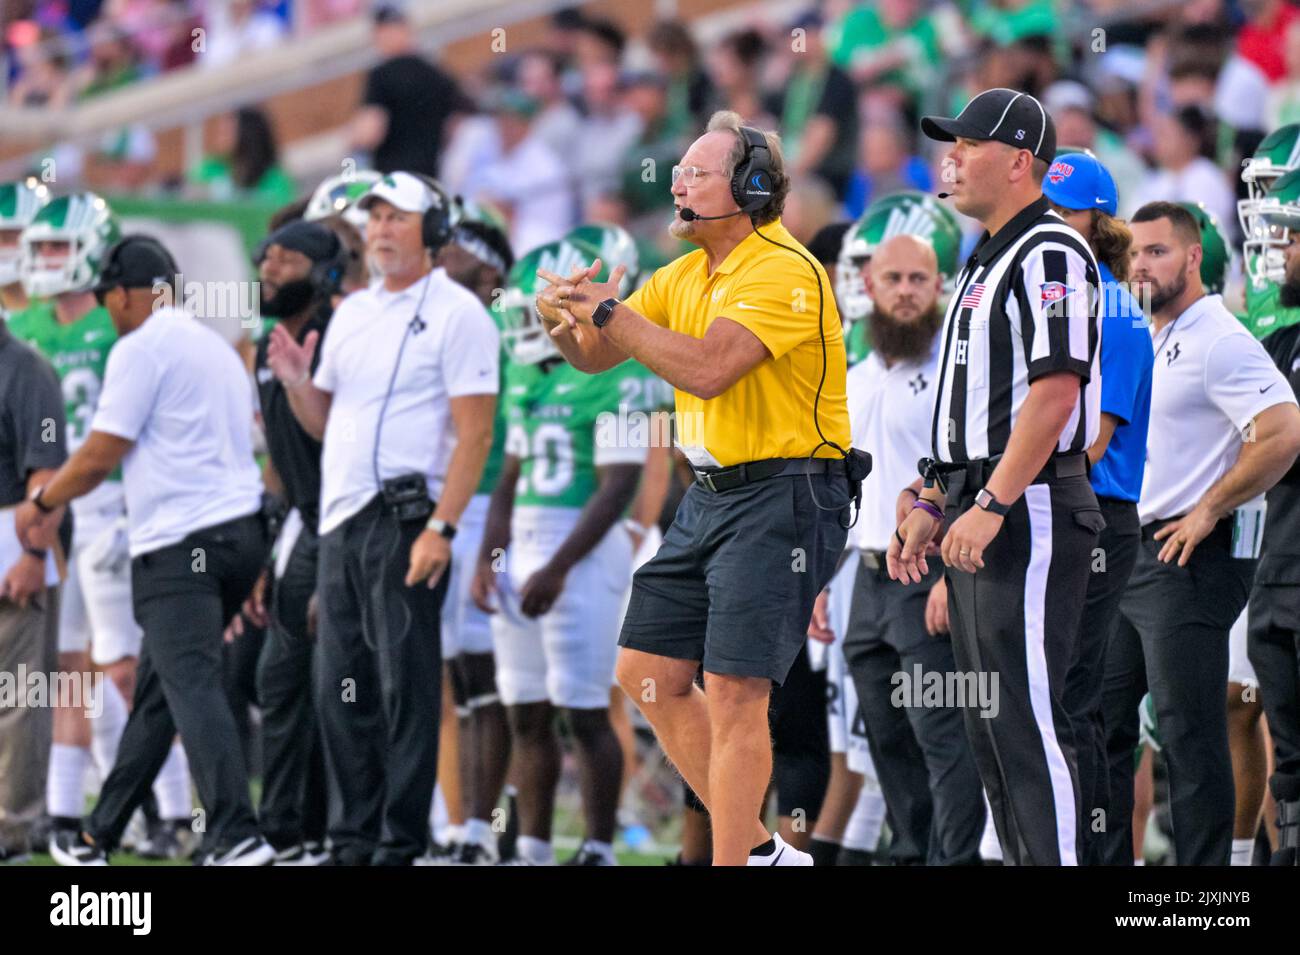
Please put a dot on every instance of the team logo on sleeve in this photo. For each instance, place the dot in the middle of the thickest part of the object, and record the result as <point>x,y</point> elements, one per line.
<point>1059,171</point>
<point>1054,291</point>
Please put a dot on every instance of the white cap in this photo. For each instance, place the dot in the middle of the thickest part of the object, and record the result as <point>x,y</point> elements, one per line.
<point>401,190</point>
<point>1067,94</point>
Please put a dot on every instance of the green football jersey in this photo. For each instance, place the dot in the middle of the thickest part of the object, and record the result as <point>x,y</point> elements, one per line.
<point>497,453</point>
<point>857,343</point>
<point>562,423</point>
<point>78,352</point>
<point>1264,313</point>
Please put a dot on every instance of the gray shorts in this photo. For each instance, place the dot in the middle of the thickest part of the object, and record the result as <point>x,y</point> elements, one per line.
<point>734,582</point>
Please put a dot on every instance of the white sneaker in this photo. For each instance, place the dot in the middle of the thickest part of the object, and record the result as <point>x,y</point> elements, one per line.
<point>784,854</point>
<point>250,852</point>
<point>303,854</point>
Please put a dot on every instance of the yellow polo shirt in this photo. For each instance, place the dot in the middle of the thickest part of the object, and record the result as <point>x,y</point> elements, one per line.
<point>771,291</point>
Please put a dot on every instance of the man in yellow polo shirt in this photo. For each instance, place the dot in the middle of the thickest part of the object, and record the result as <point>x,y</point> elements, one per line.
<point>746,331</point>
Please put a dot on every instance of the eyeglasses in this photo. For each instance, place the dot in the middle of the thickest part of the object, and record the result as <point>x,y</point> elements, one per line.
<point>691,174</point>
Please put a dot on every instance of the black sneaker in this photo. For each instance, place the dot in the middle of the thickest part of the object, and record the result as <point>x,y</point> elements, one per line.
<point>162,840</point>
<point>253,851</point>
<point>74,847</point>
<point>586,856</point>
<point>303,854</point>
<point>474,853</point>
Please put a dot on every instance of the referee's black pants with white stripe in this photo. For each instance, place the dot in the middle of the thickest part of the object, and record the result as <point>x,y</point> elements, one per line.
<point>378,677</point>
<point>1017,620</point>
<point>183,596</point>
<point>292,810</point>
<point>1172,637</point>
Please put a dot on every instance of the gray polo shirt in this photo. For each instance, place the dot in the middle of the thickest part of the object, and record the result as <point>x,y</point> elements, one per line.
<point>31,417</point>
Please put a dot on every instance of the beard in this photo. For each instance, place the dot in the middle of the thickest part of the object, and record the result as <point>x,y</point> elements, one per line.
<point>902,339</point>
<point>1162,295</point>
<point>289,299</point>
<point>1288,295</point>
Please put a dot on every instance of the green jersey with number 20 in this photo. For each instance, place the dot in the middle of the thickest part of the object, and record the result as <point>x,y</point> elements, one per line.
<point>78,351</point>
<point>562,424</point>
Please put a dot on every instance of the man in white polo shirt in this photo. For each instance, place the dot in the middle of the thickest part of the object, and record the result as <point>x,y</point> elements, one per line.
<point>921,755</point>
<point>176,413</point>
<point>1224,428</point>
<point>403,400</point>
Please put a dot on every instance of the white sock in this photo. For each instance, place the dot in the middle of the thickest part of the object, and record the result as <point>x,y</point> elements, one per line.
<point>603,849</point>
<point>172,787</point>
<point>106,728</point>
<point>1139,861</point>
<point>990,847</point>
<point>479,832</point>
<point>536,851</point>
<point>65,786</point>
<point>449,835</point>
<point>862,833</point>
<point>1242,851</point>
<point>438,817</point>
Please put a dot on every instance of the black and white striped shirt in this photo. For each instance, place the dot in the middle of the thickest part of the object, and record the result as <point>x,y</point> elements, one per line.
<point>1025,305</point>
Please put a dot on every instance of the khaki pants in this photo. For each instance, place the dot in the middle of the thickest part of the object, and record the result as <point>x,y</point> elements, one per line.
<point>28,638</point>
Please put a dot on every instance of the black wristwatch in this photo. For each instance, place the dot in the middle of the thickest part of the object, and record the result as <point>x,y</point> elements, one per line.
<point>603,311</point>
<point>40,505</point>
<point>985,499</point>
<point>445,528</point>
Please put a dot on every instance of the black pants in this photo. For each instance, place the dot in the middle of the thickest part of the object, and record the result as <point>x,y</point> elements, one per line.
<point>1116,553</point>
<point>1274,650</point>
<point>183,596</point>
<point>378,679</point>
<point>921,754</point>
<point>1017,619</point>
<point>293,776</point>
<point>1172,636</point>
<point>801,748</point>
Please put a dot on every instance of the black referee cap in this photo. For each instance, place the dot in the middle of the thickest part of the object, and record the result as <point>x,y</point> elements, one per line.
<point>137,261</point>
<point>1007,116</point>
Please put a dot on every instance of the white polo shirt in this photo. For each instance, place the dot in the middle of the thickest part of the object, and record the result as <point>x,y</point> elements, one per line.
<point>450,351</point>
<point>890,410</point>
<point>180,392</point>
<point>1211,377</point>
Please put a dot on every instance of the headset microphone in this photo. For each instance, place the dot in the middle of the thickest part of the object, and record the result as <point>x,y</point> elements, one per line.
<point>690,215</point>
<point>944,195</point>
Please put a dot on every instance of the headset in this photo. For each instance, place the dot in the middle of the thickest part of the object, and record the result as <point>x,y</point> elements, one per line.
<point>327,274</point>
<point>439,219</point>
<point>751,188</point>
<point>142,239</point>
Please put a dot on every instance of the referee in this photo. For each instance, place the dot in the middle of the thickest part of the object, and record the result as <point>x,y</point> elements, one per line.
<point>177,414</point>
<point>1016,409</point>
<point>747,332</point>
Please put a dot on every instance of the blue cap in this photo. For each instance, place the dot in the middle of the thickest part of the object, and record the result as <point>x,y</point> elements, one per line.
<point>1080,181</point>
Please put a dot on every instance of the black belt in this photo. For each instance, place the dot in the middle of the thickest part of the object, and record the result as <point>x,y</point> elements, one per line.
<point>977,473</point>
<point>738,475</point>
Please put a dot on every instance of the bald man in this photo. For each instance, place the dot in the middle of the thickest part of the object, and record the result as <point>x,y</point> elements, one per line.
<point>897,645</point>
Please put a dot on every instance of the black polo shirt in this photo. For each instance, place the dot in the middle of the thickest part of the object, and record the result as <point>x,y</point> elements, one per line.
<point>1279,558</point>
<point>31,417</point>
<point>295,453</point>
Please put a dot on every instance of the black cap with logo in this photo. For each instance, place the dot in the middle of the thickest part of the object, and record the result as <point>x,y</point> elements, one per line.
<point>1007,116</point>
